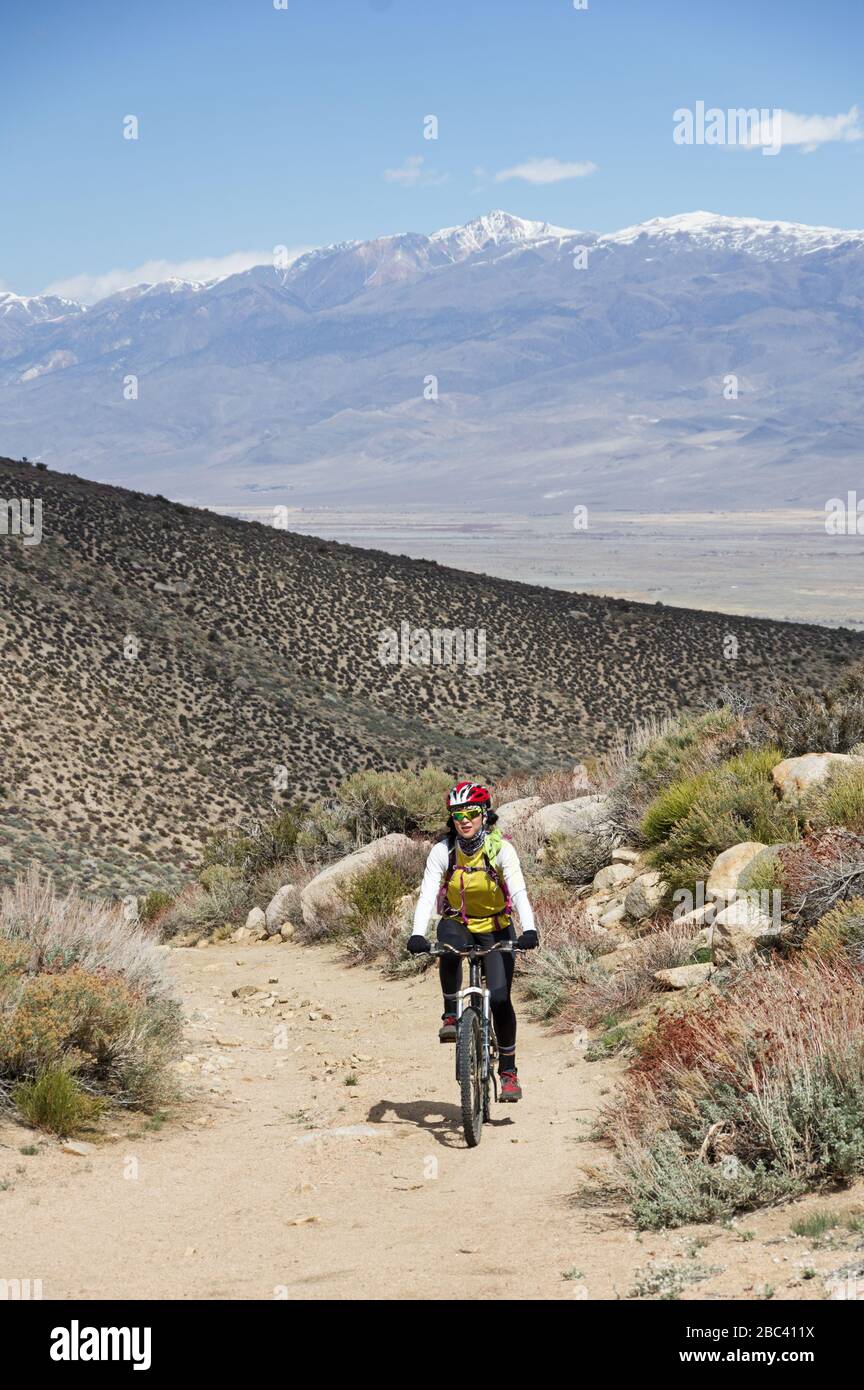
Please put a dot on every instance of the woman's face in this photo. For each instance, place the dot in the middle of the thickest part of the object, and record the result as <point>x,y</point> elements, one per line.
<point>469,827</point>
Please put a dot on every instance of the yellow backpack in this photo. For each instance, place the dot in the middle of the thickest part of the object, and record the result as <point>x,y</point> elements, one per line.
<point>473,889</point>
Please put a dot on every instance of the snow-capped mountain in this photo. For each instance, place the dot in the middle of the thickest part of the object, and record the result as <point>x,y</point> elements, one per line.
<point>695,360</point>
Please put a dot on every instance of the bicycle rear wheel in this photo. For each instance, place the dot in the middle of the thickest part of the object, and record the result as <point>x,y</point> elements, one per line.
<point>469,1049</point>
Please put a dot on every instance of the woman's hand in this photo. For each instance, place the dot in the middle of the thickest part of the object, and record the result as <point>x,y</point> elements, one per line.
<point>528,941</point>
<point>417,944</point>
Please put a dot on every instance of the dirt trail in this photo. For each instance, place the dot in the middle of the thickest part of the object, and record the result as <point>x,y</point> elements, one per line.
<point>217,1203</point>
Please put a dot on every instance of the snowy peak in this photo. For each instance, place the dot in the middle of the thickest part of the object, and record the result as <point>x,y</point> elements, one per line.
<point>753,235</point>
<point>496,228</point>
<point>22,308</point>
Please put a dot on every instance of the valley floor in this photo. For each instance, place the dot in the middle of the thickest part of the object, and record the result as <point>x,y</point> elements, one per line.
<point>780,564</point>
<point>276,1179</point>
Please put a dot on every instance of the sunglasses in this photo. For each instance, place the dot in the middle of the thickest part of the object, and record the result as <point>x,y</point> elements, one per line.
<point>460,816</point>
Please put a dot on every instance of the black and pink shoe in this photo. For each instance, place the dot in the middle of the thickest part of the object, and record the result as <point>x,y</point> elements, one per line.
<point>447,1031</point>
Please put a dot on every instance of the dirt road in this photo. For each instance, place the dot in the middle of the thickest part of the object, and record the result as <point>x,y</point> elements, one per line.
<point>281,1178</point>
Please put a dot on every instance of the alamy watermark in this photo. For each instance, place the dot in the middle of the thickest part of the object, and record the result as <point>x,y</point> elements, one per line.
<point>21,516</point>
<point>750,127</point>
<point>437,646</point>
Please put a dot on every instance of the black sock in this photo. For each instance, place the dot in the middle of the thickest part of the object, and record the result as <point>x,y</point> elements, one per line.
<point>506,1062</point>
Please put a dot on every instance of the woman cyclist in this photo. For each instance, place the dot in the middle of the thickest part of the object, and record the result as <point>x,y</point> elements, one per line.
<point>473,878</point>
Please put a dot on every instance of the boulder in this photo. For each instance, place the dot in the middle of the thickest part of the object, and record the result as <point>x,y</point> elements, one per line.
<point>729,872</point>
<point>321,897</point>
<point>625,856</point>
<point>613,917</point>
<point>573,817</point>
<point>795,777</point>
<point>684,976</point>
<point>514,813</point>
<point>739,930</point>
<point>283,907</point>
<point>612,877</point>
<point>644,895</point>
<point>256,921</point>
<point>698,917</point>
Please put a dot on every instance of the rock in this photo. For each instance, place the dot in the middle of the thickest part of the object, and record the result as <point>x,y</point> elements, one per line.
<point>202,943</point>
<point>244,991</point>
<point>613,959</point>
<point>241,934</point>
<point>286,931</point>
<point>130,908</point>
<point>572,817</point>
<point>256,920</point>
<point>697,917</point>
<point>644,895</point>
<point>739,929</point>
<point>514,813</point>
<point>684,976</point>
<point>321,898</point>
<point>612,877</point>
<point>730,869</point>
<point>614,917</point>
<point>77,1147</point>
<point>625,856</point>
<point>795,777</point>
<point>283,907</point>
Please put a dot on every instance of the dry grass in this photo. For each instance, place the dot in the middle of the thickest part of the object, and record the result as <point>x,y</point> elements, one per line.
<point>753,1098</point>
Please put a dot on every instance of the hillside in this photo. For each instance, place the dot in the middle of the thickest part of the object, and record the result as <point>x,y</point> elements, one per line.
<point>258,650</point>
<point>313,384</point>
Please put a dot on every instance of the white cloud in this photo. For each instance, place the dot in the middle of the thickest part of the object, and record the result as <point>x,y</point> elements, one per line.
<point>87,288</point>
<point>411,173</point>
<point>546,171</point>
<point>787,128</point>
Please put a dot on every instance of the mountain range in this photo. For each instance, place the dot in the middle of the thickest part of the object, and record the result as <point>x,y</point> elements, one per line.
<point>688,362</point>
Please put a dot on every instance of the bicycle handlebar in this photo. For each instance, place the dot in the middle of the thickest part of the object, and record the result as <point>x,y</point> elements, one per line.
<point>438,948</point>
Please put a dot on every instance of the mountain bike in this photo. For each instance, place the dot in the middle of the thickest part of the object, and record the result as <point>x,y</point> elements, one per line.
<point>476,1044</point>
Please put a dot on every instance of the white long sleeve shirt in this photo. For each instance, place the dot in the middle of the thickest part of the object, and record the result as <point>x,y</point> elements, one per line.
<point>433,877</point>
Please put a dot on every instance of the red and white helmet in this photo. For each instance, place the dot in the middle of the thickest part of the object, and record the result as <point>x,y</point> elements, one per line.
<point>468,794</point>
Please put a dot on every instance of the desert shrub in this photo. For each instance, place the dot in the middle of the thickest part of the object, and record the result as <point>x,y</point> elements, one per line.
<point>551,787</point>
<point>205,908</point>
<point>575,859</point>
<point>375,891</point>
<point>599,996</point>
<point>755,1097</point>
<point>691,823</point>
<point>153,905</point>
<point>656,755</point>
<point>820,872</point>
<point>802,721</point>
<point>56,1103</point>
<point>14,956</point>
<point>61,931</point>
<point>257,846</point>
<point>570,942</point>
<point>407,801</point>
<point>840,931</point>
<point>838,801</point>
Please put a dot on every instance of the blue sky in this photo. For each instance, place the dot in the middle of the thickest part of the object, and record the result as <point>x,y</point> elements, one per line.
<point>297,127</point>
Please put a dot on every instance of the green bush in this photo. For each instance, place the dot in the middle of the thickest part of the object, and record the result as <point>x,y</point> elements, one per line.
<point>839,800</point>
<point>840,931</point>
<point>153,904</point>
<point>408,801</point>
<point>691,823</point>
<point>56,1103</point>
<point>375,892</point>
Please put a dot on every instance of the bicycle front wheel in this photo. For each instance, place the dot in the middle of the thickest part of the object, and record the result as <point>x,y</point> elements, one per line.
<point>469,1049</point>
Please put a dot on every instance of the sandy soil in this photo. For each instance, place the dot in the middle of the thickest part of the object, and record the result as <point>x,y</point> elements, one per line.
<point>275,1179</point>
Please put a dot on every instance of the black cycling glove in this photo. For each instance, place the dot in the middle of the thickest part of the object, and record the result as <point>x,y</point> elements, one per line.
<point>417,944</point>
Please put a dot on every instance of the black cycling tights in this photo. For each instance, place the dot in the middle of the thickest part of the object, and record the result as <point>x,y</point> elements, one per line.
<point>499,977</point>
